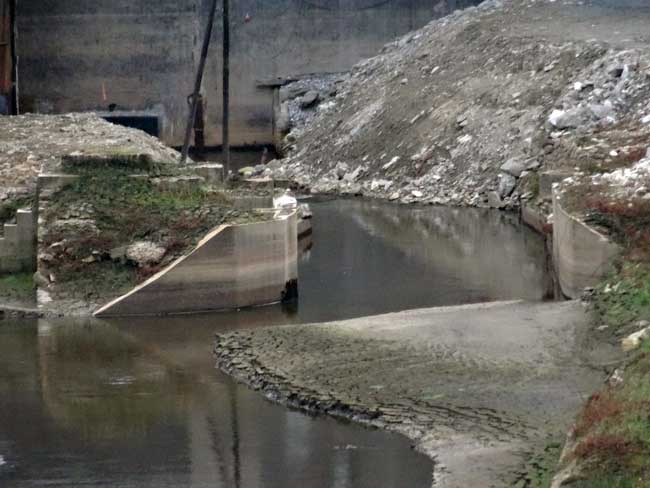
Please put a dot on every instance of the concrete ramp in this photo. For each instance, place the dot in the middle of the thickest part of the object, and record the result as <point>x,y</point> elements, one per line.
<point>233,266</point>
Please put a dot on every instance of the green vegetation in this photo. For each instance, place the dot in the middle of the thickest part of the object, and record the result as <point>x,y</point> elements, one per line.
<point>17,287</point>
<point>613,430</point>
<point>541,467</point>
<point>9,208</point>
<point>624,297</point>
<point>107,208</point>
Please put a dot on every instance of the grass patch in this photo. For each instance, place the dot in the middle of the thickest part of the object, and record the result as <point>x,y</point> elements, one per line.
<point>624,297</point>
<point>18,286</point>
<point>613,430</point>
<point>541,467</point>
<point>106,208</point>
<point>8,209</point>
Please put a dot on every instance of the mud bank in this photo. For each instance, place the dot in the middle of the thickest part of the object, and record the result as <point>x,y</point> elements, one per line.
<point>478,388</point>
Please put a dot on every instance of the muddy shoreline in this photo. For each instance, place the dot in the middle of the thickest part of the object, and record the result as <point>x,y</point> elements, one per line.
<point>237,359</point>
<point>479,412</point>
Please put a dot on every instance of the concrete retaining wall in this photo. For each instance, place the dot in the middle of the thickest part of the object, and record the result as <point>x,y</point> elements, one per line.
<point>582,255</point>
<point>18,245</point>
<point>232,267</point>
<point>141,55</point>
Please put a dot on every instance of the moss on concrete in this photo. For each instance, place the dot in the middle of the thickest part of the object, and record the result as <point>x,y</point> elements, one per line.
<point>108,208</point>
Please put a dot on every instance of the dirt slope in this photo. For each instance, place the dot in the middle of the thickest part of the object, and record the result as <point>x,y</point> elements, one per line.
<point>436,116</point>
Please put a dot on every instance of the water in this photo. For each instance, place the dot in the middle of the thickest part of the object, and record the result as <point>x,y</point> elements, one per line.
<point>138,403</point>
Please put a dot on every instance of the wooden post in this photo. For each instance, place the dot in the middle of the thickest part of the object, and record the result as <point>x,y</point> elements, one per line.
<point>225,139</point>
<point>197,83</point>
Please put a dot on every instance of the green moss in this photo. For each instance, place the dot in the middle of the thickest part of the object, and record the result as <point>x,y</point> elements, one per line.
<point>541,467</point>
<point>624,296</point>
<point>19,286</point>
<point>8,209</point>
<point>125,209</point>
<point>608,481</point>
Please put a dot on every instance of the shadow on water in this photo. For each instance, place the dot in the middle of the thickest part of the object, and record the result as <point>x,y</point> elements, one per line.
<point>137,402</point>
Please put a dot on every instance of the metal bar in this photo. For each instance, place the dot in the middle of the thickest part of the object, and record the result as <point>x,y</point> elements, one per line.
<point>225,139</point>
<point>198,82</point>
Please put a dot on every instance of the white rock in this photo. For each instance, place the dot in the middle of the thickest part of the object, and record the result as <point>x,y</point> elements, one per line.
<point>390,163</point>
<point>287,200</point>
<point>145,252</point>
<point>633,341</point>
<point>417,194</point>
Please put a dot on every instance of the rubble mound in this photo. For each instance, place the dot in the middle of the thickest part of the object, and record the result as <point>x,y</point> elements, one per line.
<point>467,110</point>
<point>30,144</point>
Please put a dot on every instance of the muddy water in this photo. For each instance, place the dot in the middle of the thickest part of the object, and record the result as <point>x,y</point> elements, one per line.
<point>136,403</point>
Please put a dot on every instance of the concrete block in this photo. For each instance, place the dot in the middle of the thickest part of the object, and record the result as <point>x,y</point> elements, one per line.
<point>212,172</point>
<point>11,234</point>
<point>257,184</point>
<point>582,255</point>
<point>18,246</point>
<point>179,183</point>
<point>535,219</point>
<point>242,202</point>
<point>546,180</point>
<point>232,267</point>
<point>54,181</point>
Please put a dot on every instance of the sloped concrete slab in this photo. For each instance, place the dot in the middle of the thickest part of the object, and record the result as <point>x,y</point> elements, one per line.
<point>232,267</point>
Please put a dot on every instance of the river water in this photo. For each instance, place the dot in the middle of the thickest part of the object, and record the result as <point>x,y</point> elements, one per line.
<point>138,403</point>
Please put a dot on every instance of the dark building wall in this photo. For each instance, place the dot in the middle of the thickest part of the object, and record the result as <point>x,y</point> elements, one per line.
<point>80,55</point>
<point>7,72</point>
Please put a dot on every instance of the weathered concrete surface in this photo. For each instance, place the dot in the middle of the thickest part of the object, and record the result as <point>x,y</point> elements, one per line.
<point>476,386</point>
<point>141,55</point>
<point>233,266</point>
<point>18,244</point>
<point>582,255</point>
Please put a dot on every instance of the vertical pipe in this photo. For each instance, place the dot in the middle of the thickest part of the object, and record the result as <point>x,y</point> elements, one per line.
<point>225,139</point>
<point>197,83</point>
<point>13,35</point>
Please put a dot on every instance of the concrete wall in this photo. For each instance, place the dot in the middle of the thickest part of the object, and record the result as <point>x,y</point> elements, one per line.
<point>78,55</point>
<point>582,255</point>
<point>233,266</point>
<point>18,244</point>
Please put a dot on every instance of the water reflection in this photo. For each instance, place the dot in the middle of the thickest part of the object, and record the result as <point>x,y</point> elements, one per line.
<point>372,257</point>
<point>138,403</point>
<point>124,404</point>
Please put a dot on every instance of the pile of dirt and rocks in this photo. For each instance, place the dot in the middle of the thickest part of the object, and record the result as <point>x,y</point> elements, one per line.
<point>32,143</point>
<point>467,110</point>
<point>303,99</point>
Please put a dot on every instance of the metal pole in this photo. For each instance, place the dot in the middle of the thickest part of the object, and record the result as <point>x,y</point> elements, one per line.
<point>13,8</point>
<point>198,81</point>
<point>225,139</point>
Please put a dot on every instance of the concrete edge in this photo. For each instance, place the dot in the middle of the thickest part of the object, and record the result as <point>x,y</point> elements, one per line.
<point>104,311</point>
<point>582,255</point>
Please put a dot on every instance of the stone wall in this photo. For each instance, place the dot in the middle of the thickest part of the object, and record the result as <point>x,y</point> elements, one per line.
<point>141,55</point>
<point>18,244</point>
